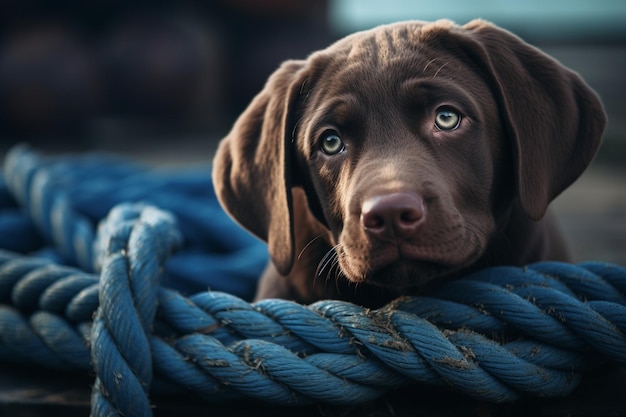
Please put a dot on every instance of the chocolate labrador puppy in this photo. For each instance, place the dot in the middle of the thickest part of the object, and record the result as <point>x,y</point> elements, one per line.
<point>404,156</point>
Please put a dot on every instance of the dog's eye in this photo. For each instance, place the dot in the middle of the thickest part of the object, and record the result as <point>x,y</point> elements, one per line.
<point>447,119</point>
<point>332,144</point>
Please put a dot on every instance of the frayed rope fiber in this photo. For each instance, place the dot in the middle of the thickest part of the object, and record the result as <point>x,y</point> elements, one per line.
<point>99,256</point>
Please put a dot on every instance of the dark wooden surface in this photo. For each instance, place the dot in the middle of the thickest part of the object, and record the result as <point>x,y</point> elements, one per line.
<point>28,392</point>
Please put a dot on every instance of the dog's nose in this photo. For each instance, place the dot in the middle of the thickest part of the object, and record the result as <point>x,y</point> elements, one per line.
<point>398,214</point>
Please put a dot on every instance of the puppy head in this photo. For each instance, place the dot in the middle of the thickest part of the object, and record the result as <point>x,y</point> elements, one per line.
<point>433,116</point>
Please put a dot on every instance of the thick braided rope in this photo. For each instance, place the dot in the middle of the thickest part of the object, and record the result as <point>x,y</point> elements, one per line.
<point>134,252</point>
<point>146,337</point>
<point>51,206</point>
<point>51,212</point>
<point>224,348</point>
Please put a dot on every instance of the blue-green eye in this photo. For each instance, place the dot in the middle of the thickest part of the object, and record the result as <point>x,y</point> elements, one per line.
<point>447,119</point>
<point>332,144</point>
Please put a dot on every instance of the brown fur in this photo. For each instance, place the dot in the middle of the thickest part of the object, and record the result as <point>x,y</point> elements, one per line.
<point>478,192</point>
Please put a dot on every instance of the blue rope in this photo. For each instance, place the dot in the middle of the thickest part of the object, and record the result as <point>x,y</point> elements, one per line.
<point>52,207</point>
<point>496,335</point>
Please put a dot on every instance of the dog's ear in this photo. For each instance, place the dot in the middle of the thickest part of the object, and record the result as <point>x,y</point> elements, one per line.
<point>252,167</point>
<point>554,119</point>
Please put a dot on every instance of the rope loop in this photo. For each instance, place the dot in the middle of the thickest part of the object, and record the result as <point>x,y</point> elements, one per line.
<point>135,241</point>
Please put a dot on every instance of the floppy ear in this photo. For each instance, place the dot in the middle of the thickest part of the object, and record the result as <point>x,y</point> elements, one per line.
<point>554,119</point>
<point>252,166</point>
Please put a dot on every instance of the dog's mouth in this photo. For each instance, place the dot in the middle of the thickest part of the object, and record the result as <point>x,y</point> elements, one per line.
<point>403,241</point>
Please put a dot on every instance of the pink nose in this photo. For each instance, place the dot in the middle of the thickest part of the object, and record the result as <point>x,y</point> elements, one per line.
<point>396,214</point>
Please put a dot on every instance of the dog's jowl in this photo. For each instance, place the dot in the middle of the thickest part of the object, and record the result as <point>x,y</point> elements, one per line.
<point>404,156</point>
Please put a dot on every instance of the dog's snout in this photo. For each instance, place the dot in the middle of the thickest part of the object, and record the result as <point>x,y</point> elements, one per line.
<point>398,214</point>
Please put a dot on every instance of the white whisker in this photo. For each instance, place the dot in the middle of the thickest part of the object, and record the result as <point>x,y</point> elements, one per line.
<point>309,244</point>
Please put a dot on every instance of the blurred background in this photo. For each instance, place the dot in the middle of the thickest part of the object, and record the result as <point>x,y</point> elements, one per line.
<point>163,81</point>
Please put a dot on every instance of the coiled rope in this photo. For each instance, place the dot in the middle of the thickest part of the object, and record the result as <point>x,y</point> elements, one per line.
<point>495,335</point>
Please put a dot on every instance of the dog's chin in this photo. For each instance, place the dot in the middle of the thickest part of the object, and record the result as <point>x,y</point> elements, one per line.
<point>406,276</point>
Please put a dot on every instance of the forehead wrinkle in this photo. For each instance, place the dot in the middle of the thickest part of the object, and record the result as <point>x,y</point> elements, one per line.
<point>363,56</point>
<point>380,47</point>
